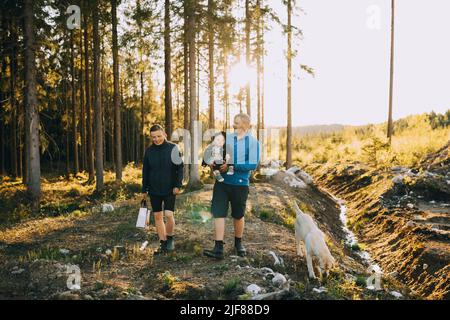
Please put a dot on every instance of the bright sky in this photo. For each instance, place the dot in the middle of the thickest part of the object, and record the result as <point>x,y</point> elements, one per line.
<point>350,56</point>
<point>351,62</point>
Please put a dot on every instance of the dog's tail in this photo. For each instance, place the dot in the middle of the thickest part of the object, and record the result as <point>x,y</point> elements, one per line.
<point>296,208</point>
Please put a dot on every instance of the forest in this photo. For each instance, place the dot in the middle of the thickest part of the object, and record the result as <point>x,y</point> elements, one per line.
<point>83,81</point>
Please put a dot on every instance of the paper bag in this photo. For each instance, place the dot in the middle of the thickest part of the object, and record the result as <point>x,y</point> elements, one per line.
<point>142,216</point>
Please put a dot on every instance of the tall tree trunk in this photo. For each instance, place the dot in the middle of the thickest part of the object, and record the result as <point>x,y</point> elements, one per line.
<point>89,144</point>
<point>3,95</point>
<point>186,67</point>
<point>186,108</point>
<point>142,117</point>
<point>111,134</point>
<point>211,62</point>
<point>132,136</point>
<point>194,178</point>
<point>103,98</point>
<point>226,91</point>
<point>14,106</point>
<point>198,81</point>
<point>76,167</point>
<point>289,88</point>
<point>247,54</point>
<point>123,125</point>
<point>82,109</point>
<point>258,66</point>
<point>137,145</point>
<point>116,99</point>
<point>167,70</point>
<point>262,72</point>
<point>32,114</point>
<point>21,170</point>
<point>97,104</point>
<point>67,126</point>
<point>2,143</point>
<point>391,76</point>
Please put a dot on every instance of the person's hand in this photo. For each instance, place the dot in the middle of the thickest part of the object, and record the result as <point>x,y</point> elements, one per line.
<point>144,196</point>
<point>223,168</point>
<point>176,191</point>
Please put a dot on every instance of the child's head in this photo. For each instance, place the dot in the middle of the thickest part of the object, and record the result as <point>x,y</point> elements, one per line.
<point>219,139</point>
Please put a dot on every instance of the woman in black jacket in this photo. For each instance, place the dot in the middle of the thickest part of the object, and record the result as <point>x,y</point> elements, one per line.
<point>162,177</point>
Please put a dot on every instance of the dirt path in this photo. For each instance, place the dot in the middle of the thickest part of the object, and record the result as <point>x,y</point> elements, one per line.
<point>106,248</point>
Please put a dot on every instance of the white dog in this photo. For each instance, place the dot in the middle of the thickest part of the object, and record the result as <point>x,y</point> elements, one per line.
<point>307,231</point>
<point>316,247</point>
<point>303,225</point>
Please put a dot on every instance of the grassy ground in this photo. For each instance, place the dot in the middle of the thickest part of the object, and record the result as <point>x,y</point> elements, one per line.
<point>414,138</point>
<point>354,164</point>
<point>106,248</point>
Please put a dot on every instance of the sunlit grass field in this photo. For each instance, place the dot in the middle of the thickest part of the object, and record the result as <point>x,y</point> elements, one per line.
<point>414,138</point>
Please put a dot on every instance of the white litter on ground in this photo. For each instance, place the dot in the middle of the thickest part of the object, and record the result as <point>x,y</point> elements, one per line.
<point>18,271</point>
<point>143,246</point>
<point>320,290</point>
<point>396,294</point>
<point>279,280</point>
<point>75,287</point>
<point>253,289</point>
<point>277,260</point>
<point>107,207</point>
<point>266,271</point>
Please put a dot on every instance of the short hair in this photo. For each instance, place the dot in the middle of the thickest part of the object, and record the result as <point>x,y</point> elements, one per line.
<point>156,127</point>
<point>220,133</point>
<point>244,117</point>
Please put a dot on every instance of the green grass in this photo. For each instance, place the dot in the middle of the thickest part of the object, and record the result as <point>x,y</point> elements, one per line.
<point>266,215</point>
<point>231,286</point>
<point>361,281</point>
<point>167,279</point>
<point>221,267</point>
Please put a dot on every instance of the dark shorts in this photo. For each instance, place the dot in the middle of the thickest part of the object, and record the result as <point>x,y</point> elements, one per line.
<point>160,202</point>
<point>224,194</point>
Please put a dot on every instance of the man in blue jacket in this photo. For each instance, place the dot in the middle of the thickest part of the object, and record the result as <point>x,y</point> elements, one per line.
<point>234,188</point>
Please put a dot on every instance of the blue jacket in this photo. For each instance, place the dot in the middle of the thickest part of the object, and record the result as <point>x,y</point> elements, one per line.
<point>245,157</point>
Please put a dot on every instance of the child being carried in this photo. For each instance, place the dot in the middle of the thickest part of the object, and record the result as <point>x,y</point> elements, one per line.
<point>216,154</point>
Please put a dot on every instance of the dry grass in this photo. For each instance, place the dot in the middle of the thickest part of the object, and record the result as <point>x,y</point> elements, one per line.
<point>414,138</point>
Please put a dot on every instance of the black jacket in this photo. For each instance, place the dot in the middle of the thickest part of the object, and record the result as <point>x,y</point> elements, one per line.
<point>162,169</point>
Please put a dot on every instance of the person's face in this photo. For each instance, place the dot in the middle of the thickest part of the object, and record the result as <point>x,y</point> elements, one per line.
<point>239,125</point>
<point>219,140</point>
<point>158,137</point>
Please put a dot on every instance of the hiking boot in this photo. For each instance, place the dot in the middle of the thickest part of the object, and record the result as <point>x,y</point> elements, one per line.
<point>217,252</point>
<point>170,246</point>
<point>162,248</point>
<point>240,250</point>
